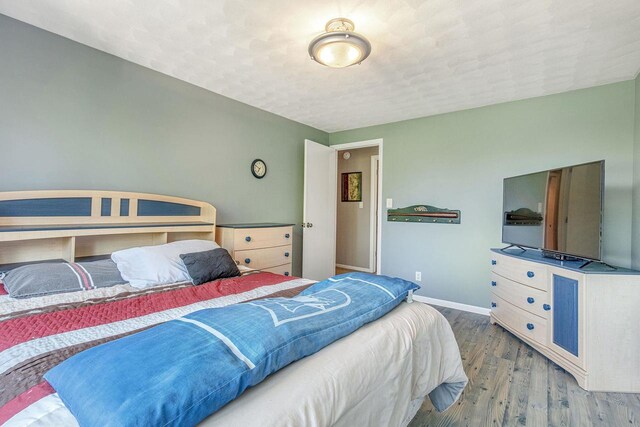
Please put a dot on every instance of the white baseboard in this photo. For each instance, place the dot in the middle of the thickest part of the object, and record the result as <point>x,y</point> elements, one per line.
<point>454,305</point>
<point>351,267</point>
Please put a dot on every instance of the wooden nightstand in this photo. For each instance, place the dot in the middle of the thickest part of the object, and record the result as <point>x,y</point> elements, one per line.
<point>261,246</point>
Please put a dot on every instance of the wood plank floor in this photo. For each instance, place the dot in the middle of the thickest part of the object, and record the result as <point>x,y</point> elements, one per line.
<point>511,384</point>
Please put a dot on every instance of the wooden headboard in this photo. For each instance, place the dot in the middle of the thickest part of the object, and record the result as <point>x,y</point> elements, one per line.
<point>70,224</point>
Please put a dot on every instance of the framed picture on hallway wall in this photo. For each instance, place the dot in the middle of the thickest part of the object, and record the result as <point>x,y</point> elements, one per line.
<point>352,187</point>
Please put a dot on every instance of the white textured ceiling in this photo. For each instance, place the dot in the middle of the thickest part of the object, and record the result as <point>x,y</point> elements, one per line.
<point>428,57</point>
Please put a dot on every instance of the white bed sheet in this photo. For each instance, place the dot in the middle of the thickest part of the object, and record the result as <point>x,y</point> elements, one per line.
<point>377,376</point>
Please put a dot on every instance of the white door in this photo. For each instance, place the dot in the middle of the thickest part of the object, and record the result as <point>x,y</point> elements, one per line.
<point>320,205</point>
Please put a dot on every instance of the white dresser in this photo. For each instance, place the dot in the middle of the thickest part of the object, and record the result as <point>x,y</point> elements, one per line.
<point>586,320</point>
<point>261,246</point>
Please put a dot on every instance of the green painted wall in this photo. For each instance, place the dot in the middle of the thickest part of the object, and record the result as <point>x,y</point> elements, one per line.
<point>459,160</point>
<point>636,180</point>
<point>73,117</point>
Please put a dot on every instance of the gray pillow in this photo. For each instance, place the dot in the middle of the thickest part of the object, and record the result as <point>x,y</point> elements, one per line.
<point>210,265</point>
<point>54,278</point>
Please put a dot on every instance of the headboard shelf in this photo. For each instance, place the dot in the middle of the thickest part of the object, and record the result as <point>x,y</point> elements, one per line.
<point>43,225</point>
<point>11,233</point>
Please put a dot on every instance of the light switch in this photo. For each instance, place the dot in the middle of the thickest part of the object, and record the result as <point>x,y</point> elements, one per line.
<point>361,205</point>
<point>389,203</point>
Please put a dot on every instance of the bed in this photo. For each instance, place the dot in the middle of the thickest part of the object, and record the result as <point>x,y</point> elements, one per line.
<point>378,375</point>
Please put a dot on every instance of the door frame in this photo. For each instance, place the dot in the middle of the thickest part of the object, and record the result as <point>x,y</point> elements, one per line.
<point>364,144</point>
<point>375,183</point>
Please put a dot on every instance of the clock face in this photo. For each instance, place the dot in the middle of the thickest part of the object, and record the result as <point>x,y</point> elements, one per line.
<point>259,168</point>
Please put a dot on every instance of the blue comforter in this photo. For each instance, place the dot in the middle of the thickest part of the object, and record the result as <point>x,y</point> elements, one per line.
<point>181,371</point>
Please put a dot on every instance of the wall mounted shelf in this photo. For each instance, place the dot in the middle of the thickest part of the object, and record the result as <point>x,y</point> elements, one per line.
<point>425,214</point>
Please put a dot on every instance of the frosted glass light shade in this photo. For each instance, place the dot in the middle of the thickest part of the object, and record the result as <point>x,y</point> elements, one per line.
<point>339,49</point>
<point>339,54</point>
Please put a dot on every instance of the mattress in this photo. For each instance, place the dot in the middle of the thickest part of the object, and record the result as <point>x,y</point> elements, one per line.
<point>376,376</point>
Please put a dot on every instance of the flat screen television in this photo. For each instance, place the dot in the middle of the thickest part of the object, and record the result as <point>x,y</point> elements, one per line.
<point>558,211</point>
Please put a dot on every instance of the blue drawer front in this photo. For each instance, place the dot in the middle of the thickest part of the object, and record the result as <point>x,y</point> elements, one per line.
<point>565,313</point>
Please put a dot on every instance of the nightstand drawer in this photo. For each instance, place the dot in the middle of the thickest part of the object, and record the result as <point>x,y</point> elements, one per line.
<point>527,298</point>
<point>519,321</point>
<point>261,246</point>
<point>255,238</point>
<point>281,269</point>
<point>527,273</point>
<point>264,258</point>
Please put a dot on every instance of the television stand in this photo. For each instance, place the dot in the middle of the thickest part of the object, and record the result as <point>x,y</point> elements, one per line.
<point>561,257</point>
<point>514,246</point>
<point>577,317</point>
<point>569,258</point>
<point>590,261</point>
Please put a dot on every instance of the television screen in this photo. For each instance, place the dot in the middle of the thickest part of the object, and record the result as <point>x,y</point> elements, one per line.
<point>558,211</point>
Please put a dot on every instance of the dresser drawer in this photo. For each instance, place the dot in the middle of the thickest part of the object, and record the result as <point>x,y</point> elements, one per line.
<point>520,321</point>
<point>527,273</point>
<point>281,269</point>
<point>264,258</point>
<point>530,299</point>
<point>255,238</point>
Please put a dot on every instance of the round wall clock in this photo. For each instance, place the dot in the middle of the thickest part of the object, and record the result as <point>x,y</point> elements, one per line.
<point>259,168</point>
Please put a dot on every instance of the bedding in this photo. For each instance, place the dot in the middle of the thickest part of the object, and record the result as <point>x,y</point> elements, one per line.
<point>378,376</point>
<point>209,265</point>
<point>32,342</point>
<point>53,278</point>
<point>12,307</point>
<point>215,354</point>
<point>157,265</point>
<point>413,351</point>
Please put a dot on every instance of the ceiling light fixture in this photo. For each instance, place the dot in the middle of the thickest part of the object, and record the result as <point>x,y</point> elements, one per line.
<point>339,46</point>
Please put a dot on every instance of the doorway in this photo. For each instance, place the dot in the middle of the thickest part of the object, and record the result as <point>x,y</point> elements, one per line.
<point>357,209</point>
<point>322,192</point>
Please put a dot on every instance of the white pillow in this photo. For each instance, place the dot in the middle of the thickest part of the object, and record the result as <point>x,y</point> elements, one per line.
<point>148,266</point>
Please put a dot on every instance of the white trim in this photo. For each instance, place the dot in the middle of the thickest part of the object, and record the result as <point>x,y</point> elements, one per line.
<point>359,144</point>
<point>363,144</point>
<point>454,305</point>
<point>354,268</point>
<point>375,183</point>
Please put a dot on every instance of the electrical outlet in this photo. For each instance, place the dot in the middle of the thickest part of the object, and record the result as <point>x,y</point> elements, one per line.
<point>418,276</point>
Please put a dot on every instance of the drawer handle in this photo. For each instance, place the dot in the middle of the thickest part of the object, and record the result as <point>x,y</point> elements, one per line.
<point>530,274</point>
<point>286,273</point>
<point>286,254</point>
<point>530,300</point>
<point>286,236</point>
<point>493,304</point>
<point>247,260</point>
<point>546,307</point>
<point>530,326</point>
<point>248,238</point>
<point>494,283</point>
<point>494,262</point>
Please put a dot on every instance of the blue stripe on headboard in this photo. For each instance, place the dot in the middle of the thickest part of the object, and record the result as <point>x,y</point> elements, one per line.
<point>124,207</point>
<point>105,209</point>
<point>62,206</point>
<point>159,208</point>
